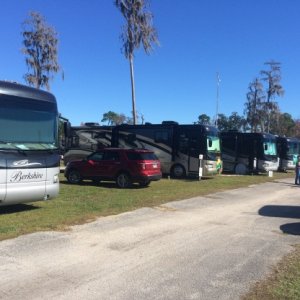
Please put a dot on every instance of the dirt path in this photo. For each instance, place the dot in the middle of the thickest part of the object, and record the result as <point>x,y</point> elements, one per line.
<point>210,247</point>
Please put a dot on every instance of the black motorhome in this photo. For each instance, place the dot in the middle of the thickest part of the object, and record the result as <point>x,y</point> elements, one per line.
<point>177,146</point>
<point>85,139</point>
<point>248,152</point>
<point>288,150</point>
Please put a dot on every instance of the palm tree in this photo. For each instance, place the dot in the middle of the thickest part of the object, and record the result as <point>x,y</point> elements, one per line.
<point>138,29</point>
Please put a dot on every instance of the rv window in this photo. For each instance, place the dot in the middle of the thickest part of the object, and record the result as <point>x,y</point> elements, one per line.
<point>99,135</point>
<point>130,138</point>
<point>75,141</point>
<point>270,148</point>
<point>161,136</point>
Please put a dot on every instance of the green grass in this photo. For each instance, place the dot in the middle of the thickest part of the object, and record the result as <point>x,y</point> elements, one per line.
<point>283,283</point>
<point>78,204</point>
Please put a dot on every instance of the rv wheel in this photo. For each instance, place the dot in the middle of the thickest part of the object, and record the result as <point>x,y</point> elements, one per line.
<point>241,169</point>
<point>178,171</point>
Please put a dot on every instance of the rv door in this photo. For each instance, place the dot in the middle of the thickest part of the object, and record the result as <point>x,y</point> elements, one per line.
<point>3,179</point>
<point>193,151</point>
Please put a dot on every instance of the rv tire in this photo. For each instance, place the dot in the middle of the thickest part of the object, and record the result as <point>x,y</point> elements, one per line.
<point>178,171</point>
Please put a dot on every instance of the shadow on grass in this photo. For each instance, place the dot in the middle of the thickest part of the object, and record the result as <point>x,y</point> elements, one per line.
<point>104,184</point>
<point>11,209</point>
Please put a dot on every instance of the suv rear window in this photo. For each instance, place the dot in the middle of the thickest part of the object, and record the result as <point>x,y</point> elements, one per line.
<point>141,156</point>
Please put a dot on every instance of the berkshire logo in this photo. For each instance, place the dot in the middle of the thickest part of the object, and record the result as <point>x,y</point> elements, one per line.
<point>20,176</point>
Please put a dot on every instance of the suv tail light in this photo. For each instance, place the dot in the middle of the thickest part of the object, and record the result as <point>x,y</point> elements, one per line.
<point>149,165</point>
<point>142,166</point>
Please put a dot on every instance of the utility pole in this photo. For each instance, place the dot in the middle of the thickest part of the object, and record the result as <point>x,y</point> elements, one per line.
<point>217,105</point>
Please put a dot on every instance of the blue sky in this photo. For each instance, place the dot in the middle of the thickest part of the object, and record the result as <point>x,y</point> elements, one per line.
<point>198,38</point>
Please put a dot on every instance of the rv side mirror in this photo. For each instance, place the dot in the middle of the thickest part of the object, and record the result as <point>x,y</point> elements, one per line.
<point>266,147</point>
<point>209,142</point>
<point>67,129</point>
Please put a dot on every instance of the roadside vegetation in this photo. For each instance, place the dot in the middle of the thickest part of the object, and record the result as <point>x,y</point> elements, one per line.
<point>283,283</point>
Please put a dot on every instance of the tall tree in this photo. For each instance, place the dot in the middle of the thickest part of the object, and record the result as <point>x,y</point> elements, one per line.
<point>272,77</point>
<point>40,48</point>
<point>235,122</point>
<point>204,119</point>
<point>113,118</point>
<point>138,30</point>
<point>297,128</point>
<point>223,124</point>
<point>254,106</point>
<point>282,124</point>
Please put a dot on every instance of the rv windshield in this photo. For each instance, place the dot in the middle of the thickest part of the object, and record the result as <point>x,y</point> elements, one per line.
<point>269,147</point>
<point>213,144</point>
<point>27,124</point>
<point>293,148</point>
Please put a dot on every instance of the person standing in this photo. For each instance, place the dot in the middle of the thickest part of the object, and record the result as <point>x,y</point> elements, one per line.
<point>297,171</point>
<point>219,165</point>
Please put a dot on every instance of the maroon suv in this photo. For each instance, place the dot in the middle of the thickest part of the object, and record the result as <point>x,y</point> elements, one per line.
<point>125,166</point>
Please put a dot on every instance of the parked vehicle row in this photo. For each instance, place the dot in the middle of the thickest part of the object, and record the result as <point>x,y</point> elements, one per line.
<point>178,147</point>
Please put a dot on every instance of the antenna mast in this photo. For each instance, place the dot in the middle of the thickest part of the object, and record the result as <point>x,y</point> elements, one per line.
<point>217,105</point>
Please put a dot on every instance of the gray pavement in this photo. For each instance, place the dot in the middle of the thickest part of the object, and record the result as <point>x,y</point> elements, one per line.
<point>212,247</point>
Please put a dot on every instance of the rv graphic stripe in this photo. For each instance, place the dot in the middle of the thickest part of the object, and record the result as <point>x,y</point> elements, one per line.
<point>15,160</point>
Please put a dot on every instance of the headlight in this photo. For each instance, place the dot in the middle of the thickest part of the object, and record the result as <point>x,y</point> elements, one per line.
<point>55,178</point>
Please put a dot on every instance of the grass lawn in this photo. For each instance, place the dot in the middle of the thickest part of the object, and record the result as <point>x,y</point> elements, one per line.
<point>78,204</point>
<point>283,283</point>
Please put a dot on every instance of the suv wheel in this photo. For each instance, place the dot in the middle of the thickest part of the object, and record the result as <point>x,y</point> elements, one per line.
<point>74,176</point>
<point>123,180</point>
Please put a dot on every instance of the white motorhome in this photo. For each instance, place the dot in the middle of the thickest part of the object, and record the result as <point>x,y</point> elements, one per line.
<point>29,152</point>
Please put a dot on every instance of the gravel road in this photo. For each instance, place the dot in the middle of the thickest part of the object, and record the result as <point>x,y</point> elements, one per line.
<point>211,247</point>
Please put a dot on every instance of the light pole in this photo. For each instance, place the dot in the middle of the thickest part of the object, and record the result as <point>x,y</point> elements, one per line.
<point>217,105</point>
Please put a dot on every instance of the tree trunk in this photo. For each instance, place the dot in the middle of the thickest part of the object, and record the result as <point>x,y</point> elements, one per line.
<point>132,90</point>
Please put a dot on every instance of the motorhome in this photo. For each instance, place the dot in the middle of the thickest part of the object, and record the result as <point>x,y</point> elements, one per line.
<point>85,139</point>
<point>288,150</point>
<point>180,148</point>
<point>244,153</point>
<point>29,150</point>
